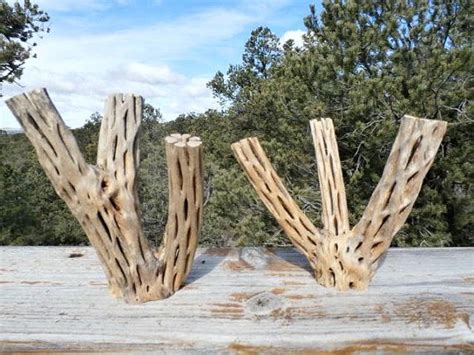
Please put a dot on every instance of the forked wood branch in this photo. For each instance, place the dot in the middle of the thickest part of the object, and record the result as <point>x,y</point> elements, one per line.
<point>342,257</point>
<point>104,198</point>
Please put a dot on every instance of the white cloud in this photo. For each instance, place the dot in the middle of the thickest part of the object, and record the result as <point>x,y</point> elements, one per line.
<point>81,70</point>
<point>80,73</point>
<point>296,36</point>
<point>149,74</point>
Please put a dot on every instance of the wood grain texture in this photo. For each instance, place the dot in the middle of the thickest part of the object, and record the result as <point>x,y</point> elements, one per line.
<point>271,190</point>
<point>331,184</point>
<point>104,197</point>
<point>411,156</point>
<point>341,257</point>
<point>239,301</point>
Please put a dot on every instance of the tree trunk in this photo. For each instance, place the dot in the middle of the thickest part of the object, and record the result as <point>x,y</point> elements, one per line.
<point>104,197</point>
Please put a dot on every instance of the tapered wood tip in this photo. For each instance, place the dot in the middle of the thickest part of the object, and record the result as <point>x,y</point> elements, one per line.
<point>243,140</point>
<point>194,144</point>
<point>320,120</point>
<point>424,120</point>
<point>171,140</point>
<point>123,95</point>
<point>183,140</point>
<point>37,91</point>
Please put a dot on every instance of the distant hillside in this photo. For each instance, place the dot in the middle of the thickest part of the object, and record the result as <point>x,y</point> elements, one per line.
<point>10,131</point>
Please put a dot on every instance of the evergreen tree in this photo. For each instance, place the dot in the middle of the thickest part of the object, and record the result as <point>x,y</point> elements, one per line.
<point>18,25</point>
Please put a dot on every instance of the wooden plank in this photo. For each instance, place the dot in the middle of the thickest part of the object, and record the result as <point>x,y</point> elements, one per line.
<point>247,300</point>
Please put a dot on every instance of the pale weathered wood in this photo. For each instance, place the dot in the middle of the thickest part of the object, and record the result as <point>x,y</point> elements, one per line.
<point>247,300</point>
<point>412,155</point>
<point>274,195</point>
<point>331,184</point>
<point>104,197</point>
<point>341,257</point>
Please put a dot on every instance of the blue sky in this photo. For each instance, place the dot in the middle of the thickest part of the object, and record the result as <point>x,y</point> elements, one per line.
<point>164,50</point>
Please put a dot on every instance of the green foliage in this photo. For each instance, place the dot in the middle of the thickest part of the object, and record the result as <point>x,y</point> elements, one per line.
<point>363,64</point>
<point>18,25</point>
<point>261,52</point>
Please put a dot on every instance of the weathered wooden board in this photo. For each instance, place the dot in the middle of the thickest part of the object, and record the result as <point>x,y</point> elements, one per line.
<point>247,300</point>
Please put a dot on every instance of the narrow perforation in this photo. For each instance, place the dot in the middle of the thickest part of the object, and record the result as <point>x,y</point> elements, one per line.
<point>255,153</point>
<point>188,236</point>
<point>140,247</point>
<point>375,246</point>
<point>66,194</point>
<point>412,176</point>
<point>125,166</point>
<point>285,207</point>
<point>32,122</point>
<point>176,255</point>
<point>114,148</point>
<point>305,225</point>
<point>119,245</point>
<point>125,123</point>
<point>65,146</point>
<point>404,208</point>
<point>384,221</point>
<point>137,269</point>
<point>185,208</point>
<point>325,147</point>
<point>175,286</point>
<point>117,264</point>
<point>135,150</point>
<point>104,225</point>
<point>390,195</point>
<point>333,277</point>
<point>71,186</point>
<point>180,181</point>
<point>114,204</point>
<point>413,150</point>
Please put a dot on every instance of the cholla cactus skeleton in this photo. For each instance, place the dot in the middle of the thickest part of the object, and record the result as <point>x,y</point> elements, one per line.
<point>342,257</point>
<point>104,198</point>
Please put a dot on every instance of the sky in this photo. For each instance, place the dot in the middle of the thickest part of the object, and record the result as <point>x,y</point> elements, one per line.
<point>164,50</point>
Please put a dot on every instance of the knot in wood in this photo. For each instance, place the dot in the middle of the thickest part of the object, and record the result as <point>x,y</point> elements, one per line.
<point>264,303</point>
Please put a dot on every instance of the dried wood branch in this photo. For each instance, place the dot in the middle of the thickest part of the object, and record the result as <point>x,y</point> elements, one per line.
<point>341,257</point>
<point>331,183</point>
<point>412,155</point>
<point>104,197</point>
<point>274,195</point>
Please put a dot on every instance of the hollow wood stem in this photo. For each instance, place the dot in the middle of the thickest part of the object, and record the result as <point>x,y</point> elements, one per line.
<point>344,258</point>
<point>268,185</point>
<point>104,197</point>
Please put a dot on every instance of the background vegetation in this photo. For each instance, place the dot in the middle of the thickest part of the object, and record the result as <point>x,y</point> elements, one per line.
<point>364,64</point>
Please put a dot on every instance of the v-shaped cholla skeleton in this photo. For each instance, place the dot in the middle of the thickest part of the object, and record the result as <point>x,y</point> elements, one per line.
<point>342,257</point>
<point>104,197</point>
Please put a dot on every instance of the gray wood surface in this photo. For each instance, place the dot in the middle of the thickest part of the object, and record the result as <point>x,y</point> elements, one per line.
<point>245,301</point>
